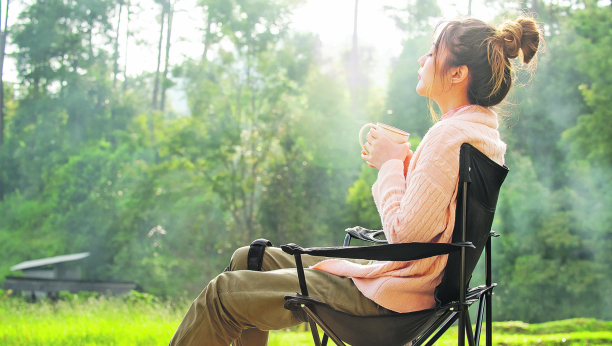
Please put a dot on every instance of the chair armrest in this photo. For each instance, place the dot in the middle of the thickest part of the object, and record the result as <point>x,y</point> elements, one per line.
<point>365,234</point>
<point>385,252</point>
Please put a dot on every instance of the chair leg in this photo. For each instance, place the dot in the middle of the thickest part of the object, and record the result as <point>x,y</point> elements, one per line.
<point>488,294</point>
<point>441,331</point>
<point>324,341</point>
<point>468,328</point>
<point>315,332</point>
<point>313,318</point>
<point>478,333</point>
<point>489,325</point>
<point>433,328</point>
<point>461,331</point>
<point>479,317</point>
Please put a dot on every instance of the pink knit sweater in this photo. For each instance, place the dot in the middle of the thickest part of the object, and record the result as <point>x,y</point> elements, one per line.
<point>420,207</point>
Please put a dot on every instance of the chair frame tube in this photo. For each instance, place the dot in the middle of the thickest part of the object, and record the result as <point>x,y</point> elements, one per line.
<point>300,272</point>
<point>443,329</point>
<point>463,313</point>
<point>347,240</point>
<point>468,328</point>
<point>314,318</point>
<point>481,305</point>
<point>314,330</point>
<point>489,293</point>
<point>433,328</point>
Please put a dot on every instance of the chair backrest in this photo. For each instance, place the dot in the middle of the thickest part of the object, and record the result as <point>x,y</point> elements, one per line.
<point>484,177</point>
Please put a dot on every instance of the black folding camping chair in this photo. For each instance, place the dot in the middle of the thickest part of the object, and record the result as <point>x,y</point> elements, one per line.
<point>480,180</point>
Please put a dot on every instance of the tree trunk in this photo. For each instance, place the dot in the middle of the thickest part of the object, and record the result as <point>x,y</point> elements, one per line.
<point>534,6</point>
<point>168,35</point>
<point>116,54</point>
<point>207,36</point>
<point>159,52</point>
<point>353,77</point>
<point>127,37</point>
<point>2,53</point>
<point>3,36</point>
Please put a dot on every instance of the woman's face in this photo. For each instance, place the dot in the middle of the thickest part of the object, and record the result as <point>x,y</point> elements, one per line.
<point>430,83</point>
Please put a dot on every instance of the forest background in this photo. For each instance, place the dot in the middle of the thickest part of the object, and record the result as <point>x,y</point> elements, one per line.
<point>94,159</point>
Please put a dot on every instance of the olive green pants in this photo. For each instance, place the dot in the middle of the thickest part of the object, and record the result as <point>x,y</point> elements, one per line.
<point>240,306</point>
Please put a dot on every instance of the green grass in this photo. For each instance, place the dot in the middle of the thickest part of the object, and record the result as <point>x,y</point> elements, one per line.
<point>139,319</point>
<point>91,321</point>
<point>554,327</point>
<point>579,331</point>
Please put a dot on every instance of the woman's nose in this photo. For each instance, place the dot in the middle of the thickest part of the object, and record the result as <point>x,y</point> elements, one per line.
<point>421,60</point>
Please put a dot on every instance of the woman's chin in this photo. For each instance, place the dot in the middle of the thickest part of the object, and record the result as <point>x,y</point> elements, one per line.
<point>421,90</point>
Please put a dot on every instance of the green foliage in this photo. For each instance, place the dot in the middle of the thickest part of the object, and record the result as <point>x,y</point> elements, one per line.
<point>136,297</point>
<point>362,208</point>
<point>593,49</point>
<point>415,19</point>
<point>552,210</point>
<point>546,254</point>
<point>409,110</point>
<point>270,150</point>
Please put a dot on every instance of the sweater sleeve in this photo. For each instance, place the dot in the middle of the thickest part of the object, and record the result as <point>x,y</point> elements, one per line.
<point>415,208</point>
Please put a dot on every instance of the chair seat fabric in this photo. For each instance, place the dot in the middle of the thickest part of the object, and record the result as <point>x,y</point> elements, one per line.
<point>390,330</point>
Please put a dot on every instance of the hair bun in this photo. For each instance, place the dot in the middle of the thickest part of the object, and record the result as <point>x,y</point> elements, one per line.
<point>521,35</point>
<point>511,34</point>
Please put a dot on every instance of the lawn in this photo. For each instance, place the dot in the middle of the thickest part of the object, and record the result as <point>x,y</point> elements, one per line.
<point>140,319</point>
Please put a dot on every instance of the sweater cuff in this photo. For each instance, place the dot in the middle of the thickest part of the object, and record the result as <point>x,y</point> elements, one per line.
<point>391,166</point>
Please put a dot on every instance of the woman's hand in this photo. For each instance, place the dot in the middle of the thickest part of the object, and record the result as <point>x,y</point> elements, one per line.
<point>407,160</point>
<point>381,149</point>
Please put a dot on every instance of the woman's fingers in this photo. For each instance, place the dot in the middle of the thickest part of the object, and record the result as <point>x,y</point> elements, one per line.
<point>364,155</point>
<point>374,133</point>
<point>367,157</point>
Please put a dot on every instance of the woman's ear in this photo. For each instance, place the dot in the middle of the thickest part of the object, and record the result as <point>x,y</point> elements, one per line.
<point>459,74</point>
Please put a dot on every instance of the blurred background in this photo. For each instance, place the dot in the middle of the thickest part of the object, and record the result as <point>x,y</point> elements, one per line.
<point>161,135</point>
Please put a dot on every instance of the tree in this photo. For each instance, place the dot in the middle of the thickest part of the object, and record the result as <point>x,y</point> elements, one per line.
<point>218,17</point>
<point>165,7</point>
<point>592,132</point>
<point>2,53</point>
<point>166,83</point>
<point>65,133</point>
<point>127,40</point>
<point>551,213</point>
<point>405,108</point>
<point>116,55</point>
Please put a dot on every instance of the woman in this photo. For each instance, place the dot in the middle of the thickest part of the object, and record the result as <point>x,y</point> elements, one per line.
<point>466,72</point>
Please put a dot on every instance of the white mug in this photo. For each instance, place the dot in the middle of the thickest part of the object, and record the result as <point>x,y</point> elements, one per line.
<point>396,135</point>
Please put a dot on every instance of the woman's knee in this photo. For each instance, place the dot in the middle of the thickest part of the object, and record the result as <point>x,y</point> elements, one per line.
<point>273,258</point>
<point>239,259</point>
